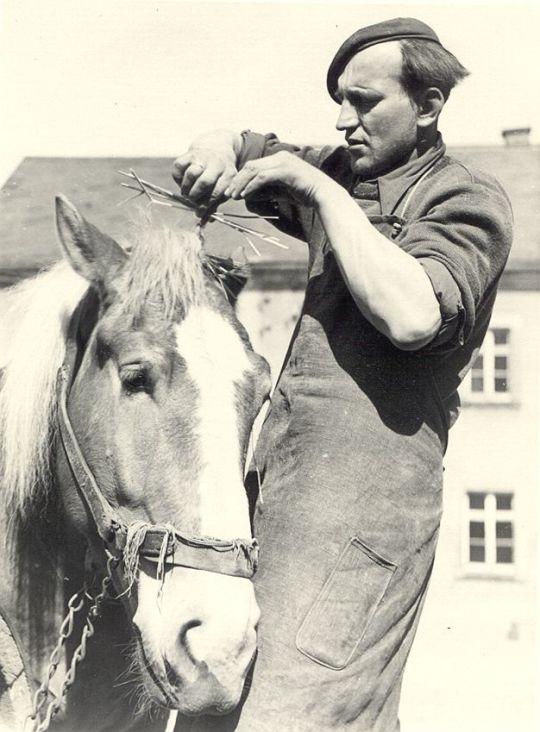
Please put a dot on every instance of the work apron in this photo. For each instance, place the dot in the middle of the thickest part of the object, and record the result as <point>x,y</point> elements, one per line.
<point>350,468</point>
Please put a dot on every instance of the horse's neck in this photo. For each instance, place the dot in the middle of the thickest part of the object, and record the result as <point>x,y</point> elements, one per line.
<point>31,582</point>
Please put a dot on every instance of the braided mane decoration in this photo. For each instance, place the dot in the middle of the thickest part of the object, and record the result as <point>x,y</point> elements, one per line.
<point>158,195</point>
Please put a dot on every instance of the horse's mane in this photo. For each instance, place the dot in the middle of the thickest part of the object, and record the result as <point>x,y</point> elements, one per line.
<point>164,266</point>
<point>33,332</point>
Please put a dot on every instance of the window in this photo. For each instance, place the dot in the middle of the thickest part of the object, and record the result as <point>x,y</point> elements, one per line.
<point>488,533</point>
<point>489,378</point>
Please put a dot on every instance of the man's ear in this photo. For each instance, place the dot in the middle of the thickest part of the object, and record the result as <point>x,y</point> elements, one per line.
<point>429,106</point>
<point>92,254</point>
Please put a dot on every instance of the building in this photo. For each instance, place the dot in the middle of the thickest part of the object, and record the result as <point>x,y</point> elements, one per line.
<point>474,662</point>
<point>480,616</point>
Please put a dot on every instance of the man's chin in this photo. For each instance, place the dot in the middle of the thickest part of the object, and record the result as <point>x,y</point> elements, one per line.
<point>361,164</point>
<point>363,170</point>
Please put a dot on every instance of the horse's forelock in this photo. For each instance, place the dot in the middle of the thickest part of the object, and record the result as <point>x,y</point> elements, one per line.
<point>165,269</point>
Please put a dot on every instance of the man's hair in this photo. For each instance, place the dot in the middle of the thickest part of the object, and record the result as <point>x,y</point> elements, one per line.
<point>428,64</point>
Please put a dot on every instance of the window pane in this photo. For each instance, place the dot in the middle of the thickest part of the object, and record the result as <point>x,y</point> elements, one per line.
<point>505,555</point>
<point>477,384</point>
<point>477,554</point>
<point>478,364</point>
<point>501,385</point>
<point>504,530</point>
<point>504,501</point>
<point>501,335</point>
<point>501,363</point>
<point>476,529</point>
<point>476,500</point>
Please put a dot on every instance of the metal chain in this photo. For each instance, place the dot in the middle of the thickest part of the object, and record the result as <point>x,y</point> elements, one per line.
<point>75,604</point>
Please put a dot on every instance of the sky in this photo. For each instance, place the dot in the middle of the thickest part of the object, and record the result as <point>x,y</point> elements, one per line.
<point>144,77</point>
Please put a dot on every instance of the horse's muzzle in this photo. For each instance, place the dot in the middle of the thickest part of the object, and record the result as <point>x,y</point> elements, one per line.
<point>196,651</point>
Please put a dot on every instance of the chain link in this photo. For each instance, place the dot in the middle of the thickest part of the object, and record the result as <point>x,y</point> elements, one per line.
<point>40,722</point>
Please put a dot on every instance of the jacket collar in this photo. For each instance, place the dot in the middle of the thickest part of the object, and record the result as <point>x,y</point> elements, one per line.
<point>392,187</point>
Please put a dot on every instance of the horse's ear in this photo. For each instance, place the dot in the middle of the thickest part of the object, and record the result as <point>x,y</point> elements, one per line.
<point>92,254</point>
<point>234,284</point>
<point>233,274</point>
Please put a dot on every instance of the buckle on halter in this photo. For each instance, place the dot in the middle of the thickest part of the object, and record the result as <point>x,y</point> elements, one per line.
<point>116,535</point>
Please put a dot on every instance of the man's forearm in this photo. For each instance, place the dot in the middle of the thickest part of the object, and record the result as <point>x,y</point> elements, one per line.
<point>389,286</point>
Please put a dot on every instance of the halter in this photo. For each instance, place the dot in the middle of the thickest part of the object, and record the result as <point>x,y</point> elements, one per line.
<point>161,544</point>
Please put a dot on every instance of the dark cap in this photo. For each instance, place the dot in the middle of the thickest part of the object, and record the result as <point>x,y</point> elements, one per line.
<point>388,30</point>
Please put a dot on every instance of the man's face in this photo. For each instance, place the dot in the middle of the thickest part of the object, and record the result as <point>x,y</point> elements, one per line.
<point>377,115</point>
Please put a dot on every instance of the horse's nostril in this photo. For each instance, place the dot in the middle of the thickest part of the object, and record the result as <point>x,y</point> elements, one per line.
<point>184,640</point>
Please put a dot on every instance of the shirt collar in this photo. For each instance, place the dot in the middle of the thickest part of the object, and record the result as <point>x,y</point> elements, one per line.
<point>394,185</point>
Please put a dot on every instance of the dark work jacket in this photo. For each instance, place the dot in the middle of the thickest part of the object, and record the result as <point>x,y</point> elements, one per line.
<point>455,220</point>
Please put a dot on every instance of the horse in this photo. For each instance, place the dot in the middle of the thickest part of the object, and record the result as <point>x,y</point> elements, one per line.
<point>127,397</point>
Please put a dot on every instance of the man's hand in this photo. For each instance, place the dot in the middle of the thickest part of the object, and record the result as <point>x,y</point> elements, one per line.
<point>203,175</point>
<point>207,168</point>
<point>283,171</point>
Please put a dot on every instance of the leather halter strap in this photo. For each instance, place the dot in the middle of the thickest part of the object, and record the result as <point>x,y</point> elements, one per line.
<point>236,558</point>
<point>105,518</point>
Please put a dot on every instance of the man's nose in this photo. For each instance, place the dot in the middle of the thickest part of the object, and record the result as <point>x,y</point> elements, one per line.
<point>348,117</point>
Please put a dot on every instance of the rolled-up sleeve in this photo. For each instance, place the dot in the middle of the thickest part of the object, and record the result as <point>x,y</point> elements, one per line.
<point>256,145</point>
<point>450,303</point>
<point>462,242</point>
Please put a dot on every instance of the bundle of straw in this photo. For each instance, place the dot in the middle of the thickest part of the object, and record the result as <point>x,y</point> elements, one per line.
<point>163,197</point>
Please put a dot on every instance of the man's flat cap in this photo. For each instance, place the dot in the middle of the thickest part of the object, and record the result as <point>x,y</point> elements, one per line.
<point>389,30</point>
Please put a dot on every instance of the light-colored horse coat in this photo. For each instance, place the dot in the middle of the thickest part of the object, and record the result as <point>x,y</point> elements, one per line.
<point>166,391</point>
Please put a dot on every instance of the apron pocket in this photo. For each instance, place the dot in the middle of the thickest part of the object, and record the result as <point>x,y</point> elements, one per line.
<point>339,617</point>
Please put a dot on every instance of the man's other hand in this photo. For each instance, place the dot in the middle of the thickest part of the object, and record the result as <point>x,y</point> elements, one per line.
<point>283,170</point>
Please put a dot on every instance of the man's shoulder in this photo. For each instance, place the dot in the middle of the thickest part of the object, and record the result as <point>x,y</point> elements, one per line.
<point>455,176</point>
<point>458,193</point>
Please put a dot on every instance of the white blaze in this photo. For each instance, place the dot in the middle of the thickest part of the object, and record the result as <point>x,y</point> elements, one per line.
<point>216,360</point>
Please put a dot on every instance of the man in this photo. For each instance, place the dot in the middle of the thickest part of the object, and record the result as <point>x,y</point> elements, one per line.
<point>406,247</point>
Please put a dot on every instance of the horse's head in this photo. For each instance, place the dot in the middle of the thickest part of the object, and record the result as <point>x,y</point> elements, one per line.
<point>165,391</point>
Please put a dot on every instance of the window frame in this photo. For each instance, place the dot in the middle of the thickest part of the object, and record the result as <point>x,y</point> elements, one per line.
<point>489,351</point>
<point>489,515</point>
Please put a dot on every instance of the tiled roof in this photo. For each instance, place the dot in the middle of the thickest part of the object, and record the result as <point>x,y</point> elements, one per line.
<point>28,239</point>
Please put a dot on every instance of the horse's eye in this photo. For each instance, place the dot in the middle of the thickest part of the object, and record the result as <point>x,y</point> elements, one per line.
<point>135,379</point>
